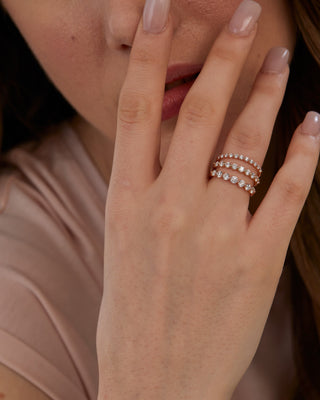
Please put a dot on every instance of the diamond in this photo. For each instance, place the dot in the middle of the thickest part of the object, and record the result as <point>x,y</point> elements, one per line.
<point>253,175</point>
<point>234,166</point>
<point>227,164</point>
<point>226,155</point>
<point>247,159</point>
<point>221,163</point>
<point>234,179</point>
<point>230,155</point>
<point>251,162</point>
<point>241,157</point>
<point>236,156</point>
<point>248,187</point>
<point>241,183</point>
<point>252,191</point>
<point>241,168</point>
<point>213,173</point>
<point>255,164</point>
<point>248,172</point>
<point>217,164</point>
<point>219,174</point>
<point>226,176</point>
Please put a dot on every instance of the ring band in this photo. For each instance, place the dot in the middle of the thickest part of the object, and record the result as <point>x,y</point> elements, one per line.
<point>239,168</point>
<point>242,158</point>
<point>235,180</point>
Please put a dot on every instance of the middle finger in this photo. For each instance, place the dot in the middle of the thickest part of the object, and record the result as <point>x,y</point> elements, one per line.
<point>203,111</point>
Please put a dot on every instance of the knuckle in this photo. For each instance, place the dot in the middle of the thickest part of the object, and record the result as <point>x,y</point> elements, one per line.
<point>198,110</point>
<point>247,139</point>
<point>224,53</point>
<point>268,88</point>
<point>134,108</point>
<point>292,190</point>
<point>143,57</point>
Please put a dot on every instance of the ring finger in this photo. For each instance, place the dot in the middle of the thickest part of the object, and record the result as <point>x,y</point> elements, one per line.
<point>251,133</point>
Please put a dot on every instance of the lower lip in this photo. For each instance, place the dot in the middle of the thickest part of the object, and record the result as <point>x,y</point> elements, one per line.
<point>173,100</point>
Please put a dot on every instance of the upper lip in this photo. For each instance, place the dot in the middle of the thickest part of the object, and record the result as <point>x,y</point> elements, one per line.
<point>180,71</point>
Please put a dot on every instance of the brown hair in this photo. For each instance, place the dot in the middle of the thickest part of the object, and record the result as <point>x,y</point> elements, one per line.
<point>29,103</point>
<point>303,95</point>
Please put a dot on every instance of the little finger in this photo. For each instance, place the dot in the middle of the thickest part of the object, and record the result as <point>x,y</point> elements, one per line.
<point>277,215</point>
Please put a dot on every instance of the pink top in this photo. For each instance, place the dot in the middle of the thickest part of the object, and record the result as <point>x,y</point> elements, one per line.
<point>52,207</point>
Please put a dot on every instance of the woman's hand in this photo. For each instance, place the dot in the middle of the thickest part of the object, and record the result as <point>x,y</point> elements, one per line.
<point>190,275</point>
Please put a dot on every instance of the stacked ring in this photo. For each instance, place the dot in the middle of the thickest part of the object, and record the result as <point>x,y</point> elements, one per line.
<point>214,172</point>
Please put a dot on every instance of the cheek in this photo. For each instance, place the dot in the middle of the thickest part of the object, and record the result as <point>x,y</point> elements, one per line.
<point>70,46</point>
<point>68,53</point>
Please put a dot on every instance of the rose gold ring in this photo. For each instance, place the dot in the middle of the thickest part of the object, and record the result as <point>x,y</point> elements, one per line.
<point>234,179</point>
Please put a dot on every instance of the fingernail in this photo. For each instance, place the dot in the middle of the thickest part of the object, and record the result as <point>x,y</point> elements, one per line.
<point>311,124</point>
<point>245,17</point>
<point>276,60</point>
<point>155,15</point>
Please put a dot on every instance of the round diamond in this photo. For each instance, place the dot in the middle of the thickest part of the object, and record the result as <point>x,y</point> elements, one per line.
<point>234,166</point>
<point>248,172</point>
<point>251,162</point>
<point>253,175</point>
<point>252,191</point>
<point>226,155</point>
<point>213,173</point>
<point>247,159</point>
<point>241,168</point>
<point>248,187</point>
<point>221,156</point>
<point>234,179</point>
<point>241,157</point>
<point>226,176</point>
<point>241,183</point>
<point>230,155</point>
<point>227,164</point>
<point>221,163</point>
<point>255,164</point>
<point>236,156</point>
<point>217,164</point>
<point>219,174</point>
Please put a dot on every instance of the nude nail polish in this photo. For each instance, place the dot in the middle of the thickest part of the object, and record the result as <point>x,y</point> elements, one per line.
<point>245,18</point>
<point>311,124</point>
<point>155,15</point>
<point>276,60</point>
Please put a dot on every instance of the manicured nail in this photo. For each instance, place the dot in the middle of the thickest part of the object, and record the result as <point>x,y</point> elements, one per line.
<point>245,18</point>
<point>311,124</point>
<point>155,15</point>
<point>276,60</point>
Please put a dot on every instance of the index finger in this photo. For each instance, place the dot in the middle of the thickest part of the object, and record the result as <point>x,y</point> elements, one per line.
<point>136,155</point>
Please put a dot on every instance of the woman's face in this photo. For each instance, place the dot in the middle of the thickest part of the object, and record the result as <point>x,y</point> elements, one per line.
<point>84,47</point>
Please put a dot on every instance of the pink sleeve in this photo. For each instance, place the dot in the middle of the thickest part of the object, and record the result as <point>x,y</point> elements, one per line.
<point>49,299</point>
<point>30,343</point>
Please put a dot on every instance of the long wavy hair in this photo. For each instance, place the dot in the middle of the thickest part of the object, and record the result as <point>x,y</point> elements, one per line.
<point>29,103</point>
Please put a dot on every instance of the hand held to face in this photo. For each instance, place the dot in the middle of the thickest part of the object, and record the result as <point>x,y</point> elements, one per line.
<point>189,274</point>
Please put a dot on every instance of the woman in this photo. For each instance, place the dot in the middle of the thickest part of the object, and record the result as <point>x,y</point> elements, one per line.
<point>189,274</point>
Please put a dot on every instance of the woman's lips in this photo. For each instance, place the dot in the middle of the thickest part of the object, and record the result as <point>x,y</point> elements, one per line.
<point>173,99</point>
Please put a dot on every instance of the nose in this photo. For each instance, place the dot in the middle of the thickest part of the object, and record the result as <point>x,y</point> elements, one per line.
<point>122,19</point>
